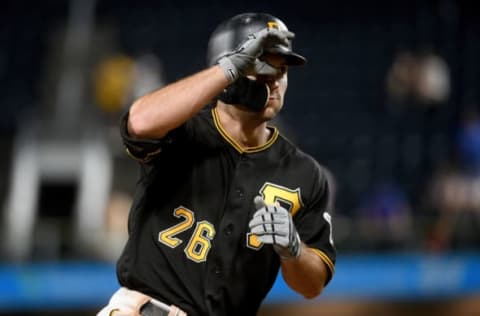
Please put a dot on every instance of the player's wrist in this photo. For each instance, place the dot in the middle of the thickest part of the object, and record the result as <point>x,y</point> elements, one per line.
<point>293,251</point>
<point>229,69</point>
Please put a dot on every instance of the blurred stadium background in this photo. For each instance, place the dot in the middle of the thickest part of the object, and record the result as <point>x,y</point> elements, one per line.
<point>388,103</point>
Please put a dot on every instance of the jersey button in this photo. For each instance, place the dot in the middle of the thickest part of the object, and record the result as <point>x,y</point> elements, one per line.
<point>243,158</point>
<point>229,229</point>
<point>217,270</point>
<point>239,192</point>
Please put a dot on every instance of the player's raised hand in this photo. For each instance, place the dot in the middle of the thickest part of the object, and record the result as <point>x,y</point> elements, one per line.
<point>273,224</point>
<point>243,60</point>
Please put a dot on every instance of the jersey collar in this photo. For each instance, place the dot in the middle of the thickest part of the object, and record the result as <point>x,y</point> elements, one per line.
<point>237,146</point>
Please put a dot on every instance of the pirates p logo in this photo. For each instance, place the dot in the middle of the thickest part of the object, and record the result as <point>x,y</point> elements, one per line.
<point>272,25</point>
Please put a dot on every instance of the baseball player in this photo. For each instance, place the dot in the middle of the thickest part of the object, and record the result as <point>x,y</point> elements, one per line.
<point>224,200</point>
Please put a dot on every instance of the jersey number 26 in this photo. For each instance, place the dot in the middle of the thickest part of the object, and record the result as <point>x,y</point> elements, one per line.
<point>200,242</point>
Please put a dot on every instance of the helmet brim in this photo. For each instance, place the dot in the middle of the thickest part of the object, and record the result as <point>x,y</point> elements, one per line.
<point>291,58</point>
<point>294,59</point>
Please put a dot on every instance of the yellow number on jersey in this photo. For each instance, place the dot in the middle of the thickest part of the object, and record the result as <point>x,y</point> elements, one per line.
<point>167,236</point>
<point>200,243</point>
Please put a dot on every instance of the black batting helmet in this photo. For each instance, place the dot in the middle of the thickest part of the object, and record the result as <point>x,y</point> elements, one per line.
<point>234,31</point>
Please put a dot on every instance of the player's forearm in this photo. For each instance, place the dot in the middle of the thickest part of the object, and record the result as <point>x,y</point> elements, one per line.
<point>155,114</point>
<point>306,274</point>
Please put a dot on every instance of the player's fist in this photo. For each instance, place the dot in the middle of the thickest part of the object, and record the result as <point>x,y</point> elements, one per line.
<point>243,60</point>
<point>273,224</point>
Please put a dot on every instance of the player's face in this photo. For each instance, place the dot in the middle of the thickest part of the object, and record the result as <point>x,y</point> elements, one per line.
<point>277,84</point>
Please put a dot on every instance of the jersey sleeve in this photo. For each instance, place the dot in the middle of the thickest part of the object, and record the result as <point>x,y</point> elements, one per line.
<point>314,222</point>
<point>145,150</point>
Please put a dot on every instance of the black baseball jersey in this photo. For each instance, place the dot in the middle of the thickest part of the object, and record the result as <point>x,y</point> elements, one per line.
<point>189,242</point>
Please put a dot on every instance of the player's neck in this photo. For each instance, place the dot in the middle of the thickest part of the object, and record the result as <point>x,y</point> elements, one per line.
<point>246,128</point>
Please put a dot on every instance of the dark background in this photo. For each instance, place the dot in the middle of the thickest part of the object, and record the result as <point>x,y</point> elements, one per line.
<point>338,107</point>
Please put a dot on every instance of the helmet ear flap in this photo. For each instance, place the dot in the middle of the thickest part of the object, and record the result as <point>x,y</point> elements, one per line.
<point>249,93</point>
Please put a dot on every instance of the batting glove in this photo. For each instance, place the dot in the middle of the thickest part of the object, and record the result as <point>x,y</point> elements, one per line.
<point>243,60</point>
<point>273,224</point>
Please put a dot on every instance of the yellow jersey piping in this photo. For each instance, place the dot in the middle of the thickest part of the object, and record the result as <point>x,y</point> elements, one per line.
<point>147,158</point>
<point>237,146</point>
<point>325,259</point>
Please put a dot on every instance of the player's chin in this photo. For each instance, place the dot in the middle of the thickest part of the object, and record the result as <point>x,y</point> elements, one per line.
<point>272,108</point>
